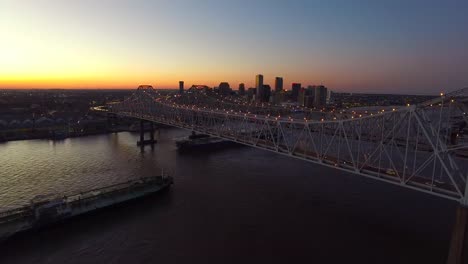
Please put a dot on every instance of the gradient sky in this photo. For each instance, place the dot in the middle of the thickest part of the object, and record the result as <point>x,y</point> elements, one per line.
<point>369,45</point>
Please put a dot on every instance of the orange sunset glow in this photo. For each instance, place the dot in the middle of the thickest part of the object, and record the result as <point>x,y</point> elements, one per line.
<point>64,44</point>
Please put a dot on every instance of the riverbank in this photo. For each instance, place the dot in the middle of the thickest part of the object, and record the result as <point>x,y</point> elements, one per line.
<point>63,132</point>
<point>47,133</point>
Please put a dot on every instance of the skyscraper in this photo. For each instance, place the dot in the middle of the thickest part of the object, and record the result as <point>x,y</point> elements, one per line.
<point>241,89</point>
<point>329,96</point>
<point>278,84</point>
<point>266,93</point>
<point>320,99</point>
<point>181,87</point>
<point>296,87</point>
<point>259,87</point>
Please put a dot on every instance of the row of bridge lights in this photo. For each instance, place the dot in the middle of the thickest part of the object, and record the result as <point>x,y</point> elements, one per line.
<point>268,116</point>
<point>290,118</point>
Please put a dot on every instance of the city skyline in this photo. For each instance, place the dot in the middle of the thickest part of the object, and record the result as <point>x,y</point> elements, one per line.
<point>382,47</point>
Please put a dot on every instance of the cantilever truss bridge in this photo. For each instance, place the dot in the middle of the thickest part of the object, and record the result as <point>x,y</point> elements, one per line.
<point>423,147</point>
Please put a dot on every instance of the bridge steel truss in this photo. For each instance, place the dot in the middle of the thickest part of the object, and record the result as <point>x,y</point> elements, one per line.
<point>421,147</point>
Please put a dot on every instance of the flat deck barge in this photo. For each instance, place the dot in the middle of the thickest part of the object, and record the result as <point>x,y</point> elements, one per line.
<point>47,209</point>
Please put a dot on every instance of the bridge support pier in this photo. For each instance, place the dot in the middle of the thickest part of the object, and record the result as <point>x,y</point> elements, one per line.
<point>142,142</point>
<point>458,252</point>
<point>152,132</point>
<point>111,122</point>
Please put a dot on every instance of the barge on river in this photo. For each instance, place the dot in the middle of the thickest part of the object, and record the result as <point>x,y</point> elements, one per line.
<point>48,209</point>
<point>202,142</point>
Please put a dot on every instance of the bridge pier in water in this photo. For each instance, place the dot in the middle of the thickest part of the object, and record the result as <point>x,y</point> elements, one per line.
<point>143,142</point>
<point>112,121</point>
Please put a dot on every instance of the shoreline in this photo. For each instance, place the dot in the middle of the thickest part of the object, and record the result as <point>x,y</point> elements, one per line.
<point>21,138</point>
<point>47,134</point>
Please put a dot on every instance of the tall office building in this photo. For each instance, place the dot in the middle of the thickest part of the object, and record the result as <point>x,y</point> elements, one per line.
<point>296,87</point>
<point>181,87</point>
<point>320,99</point>
<point>278,84</point>
<point>329,97</point>
<point>259,87</point>
<point>306,96</point>
<point>241,89</point>
<point>266,93</point>
<point>311,91</point>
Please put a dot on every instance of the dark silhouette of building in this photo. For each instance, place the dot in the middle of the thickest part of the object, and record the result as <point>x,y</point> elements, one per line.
<point>251,92</point>
<point>306,96</point>
<point>200,87</point>
<point>241,89</point>
<point>296,87</point>
<point>278,97</point>
<point>278,84</point>
<point>181,87</point>
<point>266,93</point>
<point>320,99</point>
<point>224,88</point>
<point>259,87</point>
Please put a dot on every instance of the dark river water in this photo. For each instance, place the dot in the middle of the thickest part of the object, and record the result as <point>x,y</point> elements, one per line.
<point>239,205</point>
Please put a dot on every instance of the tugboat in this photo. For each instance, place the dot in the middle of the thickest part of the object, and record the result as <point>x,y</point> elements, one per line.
<point>48,209</point>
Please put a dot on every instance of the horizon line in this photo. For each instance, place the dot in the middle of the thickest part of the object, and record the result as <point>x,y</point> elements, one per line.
<point>130,89</point>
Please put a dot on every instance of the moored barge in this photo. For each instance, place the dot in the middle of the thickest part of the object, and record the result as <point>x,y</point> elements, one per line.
<point>48,209</point>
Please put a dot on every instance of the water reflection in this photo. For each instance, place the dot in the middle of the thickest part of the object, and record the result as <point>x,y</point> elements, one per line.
<point>239,204</point>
